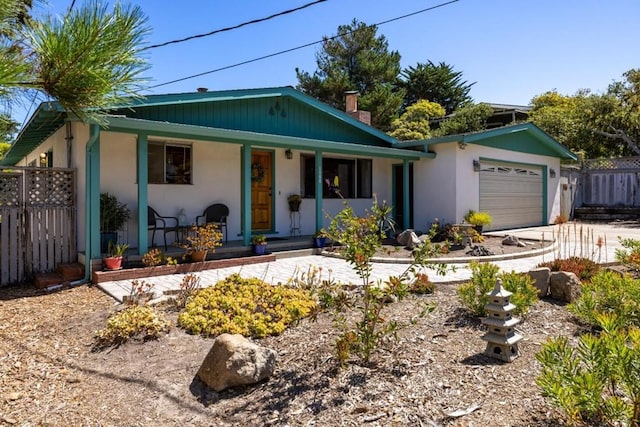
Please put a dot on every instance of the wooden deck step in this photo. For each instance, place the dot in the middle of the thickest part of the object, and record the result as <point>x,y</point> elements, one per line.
<point>45,280</point>
<point>71,272</point>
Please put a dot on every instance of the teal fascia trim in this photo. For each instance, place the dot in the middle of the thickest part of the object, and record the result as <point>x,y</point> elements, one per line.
<point>92,199</point>
<point>172,130</point>
<point>405,195</point>
<point>143,192</point>
<point>245,168</point>
<point>484,137</point>
<point>319,187</point>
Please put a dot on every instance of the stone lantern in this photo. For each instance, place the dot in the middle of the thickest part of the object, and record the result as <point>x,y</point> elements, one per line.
<point>501,337</point>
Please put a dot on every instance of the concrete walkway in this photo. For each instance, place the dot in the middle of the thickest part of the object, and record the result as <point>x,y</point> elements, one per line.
<point>281,270</point>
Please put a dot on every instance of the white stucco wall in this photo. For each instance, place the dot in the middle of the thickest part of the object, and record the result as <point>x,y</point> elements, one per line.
<point>447,187</point>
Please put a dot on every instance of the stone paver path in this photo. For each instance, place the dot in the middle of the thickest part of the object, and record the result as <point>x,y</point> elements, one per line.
<point>280,271</point>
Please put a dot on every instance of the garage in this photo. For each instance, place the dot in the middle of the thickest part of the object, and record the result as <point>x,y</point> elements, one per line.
<point>512,194</point>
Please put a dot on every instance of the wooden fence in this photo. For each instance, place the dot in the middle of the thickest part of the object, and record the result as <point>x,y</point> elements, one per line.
<point>37,221</point>
<point>611,182</point>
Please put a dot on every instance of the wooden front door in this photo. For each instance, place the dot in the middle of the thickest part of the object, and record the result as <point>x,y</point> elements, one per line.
<point>261,191</point>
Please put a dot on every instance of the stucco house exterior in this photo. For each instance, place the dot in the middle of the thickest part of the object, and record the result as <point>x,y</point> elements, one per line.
<point>251,149</point>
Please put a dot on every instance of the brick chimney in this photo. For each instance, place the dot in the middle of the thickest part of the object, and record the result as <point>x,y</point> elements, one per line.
<point>352,108</point>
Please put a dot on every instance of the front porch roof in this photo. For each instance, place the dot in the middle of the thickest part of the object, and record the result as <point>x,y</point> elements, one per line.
<point>201,133</point>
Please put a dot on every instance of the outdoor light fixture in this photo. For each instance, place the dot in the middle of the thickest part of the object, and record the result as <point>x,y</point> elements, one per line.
<point>288,153</point>
<point>476,166</point>
<point>552,173</point>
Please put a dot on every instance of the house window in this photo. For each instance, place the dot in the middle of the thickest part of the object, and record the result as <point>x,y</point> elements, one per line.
<point>341,178</point>
<point>169,163</point>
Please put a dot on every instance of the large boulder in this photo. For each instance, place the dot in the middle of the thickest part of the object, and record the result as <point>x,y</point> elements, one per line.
<point>409,239</point>
<point>234,360</point>
<point>564,286</point>
<point>541,276</point>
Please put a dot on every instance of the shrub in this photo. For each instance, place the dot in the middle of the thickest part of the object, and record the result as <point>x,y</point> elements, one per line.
<point>133,321</point>
<point>248,307</point>
<point>188,287</point>
<point>598,381</point>
<point>478,218</point>
<point>630,256</point>
<point>560,219</point>
<point>473,294</point>
<point>609,292</point>
<point>584,268</point>
<point>422,285</point>
<point>153,258</point>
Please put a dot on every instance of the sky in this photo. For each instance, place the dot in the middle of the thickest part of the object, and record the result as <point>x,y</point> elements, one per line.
<point>512,49</point>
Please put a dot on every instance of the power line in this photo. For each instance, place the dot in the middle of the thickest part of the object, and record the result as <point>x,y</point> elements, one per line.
<point>271,55</point>
<point>254,21</point>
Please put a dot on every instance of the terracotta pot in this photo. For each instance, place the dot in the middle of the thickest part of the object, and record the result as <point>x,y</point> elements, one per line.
<point>113,263</point>
<point>198,256</point>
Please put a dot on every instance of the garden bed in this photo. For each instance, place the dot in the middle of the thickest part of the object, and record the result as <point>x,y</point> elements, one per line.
<point>162,270</point>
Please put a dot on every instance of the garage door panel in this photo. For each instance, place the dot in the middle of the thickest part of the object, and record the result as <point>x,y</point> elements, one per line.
<point>511,194</point>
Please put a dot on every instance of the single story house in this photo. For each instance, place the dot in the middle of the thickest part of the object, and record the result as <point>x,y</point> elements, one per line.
<point>251,149</point>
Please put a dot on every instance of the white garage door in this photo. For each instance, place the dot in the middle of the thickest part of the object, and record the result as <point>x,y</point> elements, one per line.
<point>512,194</point>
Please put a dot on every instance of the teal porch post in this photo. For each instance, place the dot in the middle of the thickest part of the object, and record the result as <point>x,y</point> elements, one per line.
<point>92,198</point>
<point>406,216</point>
<point>143,193</point>
<point>245,167</point>
<point>319,184</point>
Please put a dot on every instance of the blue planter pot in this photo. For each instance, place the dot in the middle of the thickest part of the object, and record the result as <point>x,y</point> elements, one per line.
<point>259,249</point>
<point>320,241</point>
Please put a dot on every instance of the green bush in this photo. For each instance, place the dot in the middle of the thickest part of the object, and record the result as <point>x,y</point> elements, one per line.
<point>248,307</point>
<point>598,381</point>
<point>133,321</point>
<point>609,292</point>
<point>473,294</point>
<point>630,256</point>
<point>584,268</point>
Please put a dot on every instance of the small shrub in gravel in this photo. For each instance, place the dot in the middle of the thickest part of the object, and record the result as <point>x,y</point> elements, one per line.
<point>247,307</point>
<point>584,268</point>
<point>139,321</point>
<point>473,294</point>
<point>609,292</point>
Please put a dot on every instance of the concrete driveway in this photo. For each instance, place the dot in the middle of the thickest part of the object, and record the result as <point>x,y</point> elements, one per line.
<point>281,270</point>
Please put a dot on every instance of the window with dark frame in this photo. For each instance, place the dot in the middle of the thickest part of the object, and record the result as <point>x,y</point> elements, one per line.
<point>169,163</point>
<point>341,177</point>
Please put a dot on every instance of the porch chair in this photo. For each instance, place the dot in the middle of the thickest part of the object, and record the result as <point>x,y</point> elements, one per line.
<point>217,214</point>
<point>157,222</point>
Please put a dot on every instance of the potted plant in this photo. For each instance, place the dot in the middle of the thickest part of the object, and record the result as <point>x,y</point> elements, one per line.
<point>259,244</point>
<point>294,201</point>
<point>113,216</point>
<point>320,238</point>
<point>478,219</point>
<point>115,252</point>
<point>202,239</point>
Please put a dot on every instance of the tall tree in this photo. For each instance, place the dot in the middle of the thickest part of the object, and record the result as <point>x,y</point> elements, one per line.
<point>437,83</point>
<point>470,118</point>
<point>413,124</point>
<point>88,60</point>
<point>357,59</point>
<point>598,125</point>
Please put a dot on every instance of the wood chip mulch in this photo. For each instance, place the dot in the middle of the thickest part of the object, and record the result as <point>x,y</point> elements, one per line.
<point>435,375</point>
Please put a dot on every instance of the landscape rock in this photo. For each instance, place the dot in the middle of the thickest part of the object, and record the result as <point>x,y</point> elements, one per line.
<point>541,277</point>
<point>234,360</point>
<point>511,240</point>
<point>408,238</point>
<point>478,250</point>
<point>564,286</point>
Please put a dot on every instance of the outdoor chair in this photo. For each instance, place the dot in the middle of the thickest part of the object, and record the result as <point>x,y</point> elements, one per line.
<point>217,214</point>
<point>166,224</point>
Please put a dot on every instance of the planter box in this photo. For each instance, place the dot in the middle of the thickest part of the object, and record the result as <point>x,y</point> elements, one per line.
<point>162,270</point>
